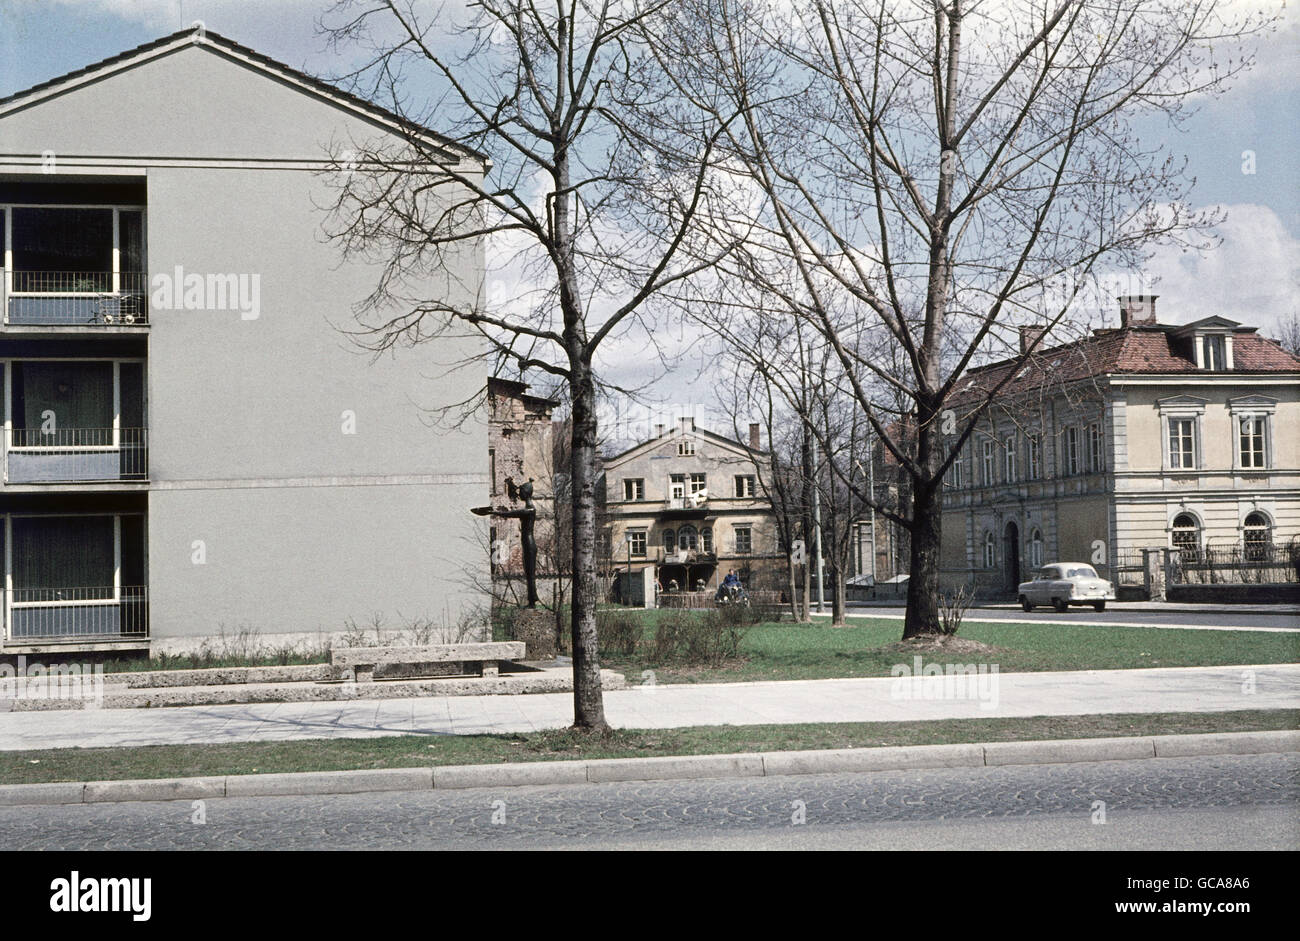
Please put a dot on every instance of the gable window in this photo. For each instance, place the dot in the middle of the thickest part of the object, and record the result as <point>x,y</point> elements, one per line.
<point>636,543</point>
<point>1186,537</point>
<point>1034,446</point>
<point>685,447</point>
<point>744,540</point>
<point>987,457</point>
<point>744,485</point>
<point>1009,459</point>
<point>990,552</point>
<point>1072,450</point>
<point>1096,452</point>
<point>634,488</point>
<point>1182,443</point>
<point>1257,537</point>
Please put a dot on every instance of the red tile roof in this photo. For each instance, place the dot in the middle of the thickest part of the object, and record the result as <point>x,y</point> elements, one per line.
<point>1122,351</point>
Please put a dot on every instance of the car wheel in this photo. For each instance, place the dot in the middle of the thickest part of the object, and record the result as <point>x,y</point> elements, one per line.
<point>1060,606</point>
<point>1099,606</point>
<point>1026,603</point>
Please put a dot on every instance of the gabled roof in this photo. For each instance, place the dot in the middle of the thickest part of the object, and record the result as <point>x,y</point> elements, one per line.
<point>1154,350</point>
<point>249,57</point>
<point>676,431</point>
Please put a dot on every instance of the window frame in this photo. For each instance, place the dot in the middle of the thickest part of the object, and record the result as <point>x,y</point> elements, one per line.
<point>633,489</point>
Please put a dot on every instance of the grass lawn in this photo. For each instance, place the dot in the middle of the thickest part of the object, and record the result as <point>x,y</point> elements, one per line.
<point>870,647</point>
<point>408,751</point>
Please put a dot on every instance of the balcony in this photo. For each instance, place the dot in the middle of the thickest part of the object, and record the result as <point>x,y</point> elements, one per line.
<point>692,507</point>
<point>76,455</point>
<point>95,299</point>
<point>105,613</point>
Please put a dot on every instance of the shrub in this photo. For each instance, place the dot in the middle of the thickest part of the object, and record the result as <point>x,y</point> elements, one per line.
<point>709,637</point>
<point>618,633</point>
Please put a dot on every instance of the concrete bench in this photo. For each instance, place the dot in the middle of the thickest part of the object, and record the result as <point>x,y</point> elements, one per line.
<point>363,660</point>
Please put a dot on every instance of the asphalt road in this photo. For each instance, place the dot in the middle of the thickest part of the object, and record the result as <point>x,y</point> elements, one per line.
<point>1115,613</point>
<point>1223,803</point>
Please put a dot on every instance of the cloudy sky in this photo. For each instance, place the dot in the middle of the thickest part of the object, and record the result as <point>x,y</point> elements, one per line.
<point>1241,147</point>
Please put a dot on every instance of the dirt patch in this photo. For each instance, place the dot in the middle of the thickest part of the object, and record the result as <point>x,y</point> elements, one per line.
<point>940,643</point>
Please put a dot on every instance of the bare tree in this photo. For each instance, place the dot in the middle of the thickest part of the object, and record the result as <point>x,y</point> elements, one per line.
<point>1288,333</point>
<point>587,197</point>
<point>936,174</point>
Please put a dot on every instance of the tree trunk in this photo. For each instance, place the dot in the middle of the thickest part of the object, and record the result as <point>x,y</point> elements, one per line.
<point>794,594</point>
<point>923,584</point>
<point>837,596</point>
<point>588,703</point>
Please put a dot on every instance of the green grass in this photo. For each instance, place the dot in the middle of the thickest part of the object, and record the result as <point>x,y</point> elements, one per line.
<point>168,761</point>
<point>870,647</point>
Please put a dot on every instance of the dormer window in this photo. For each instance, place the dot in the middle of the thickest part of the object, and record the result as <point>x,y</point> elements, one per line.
<point>1214,352</point>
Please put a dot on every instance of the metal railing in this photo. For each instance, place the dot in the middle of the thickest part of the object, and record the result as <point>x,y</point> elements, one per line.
<point>77,455</point>
<point>98,612</point>
<point>75,298</point>
<point>1256,564</point>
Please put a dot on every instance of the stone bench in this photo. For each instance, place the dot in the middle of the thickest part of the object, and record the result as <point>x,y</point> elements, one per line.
<point>363,660</point>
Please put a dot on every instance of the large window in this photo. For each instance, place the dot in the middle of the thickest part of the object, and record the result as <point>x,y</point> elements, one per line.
<point>78,250</point>
<point>1072,463</point>
<point>634,488</point>
<point>1186,537</point>
<point>1034,447</point>
<point>1182,443</point>
<point>987,456</point>
<point>636,543</point>
<point>677,486</point>
<point>959,471</point>
<point>744,540</point>
<point>670,540</point>
<point>745,485</point>
<point>698,483</point>
<point>688,538</point>
<point>990,552</point>
<point>706,539</point>
<point>1251,442</point>
<point>1096,449</point>
<point>1009,459</point>
<point>1035,548</point>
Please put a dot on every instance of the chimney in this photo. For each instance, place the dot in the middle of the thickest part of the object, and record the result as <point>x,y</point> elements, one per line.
<point>1028,335</point>
<point>1137,310</point>
<point>753,436</point>
<point>659,430</point>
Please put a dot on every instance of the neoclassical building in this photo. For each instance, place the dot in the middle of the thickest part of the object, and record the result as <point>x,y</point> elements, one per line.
<point>1146,436</point>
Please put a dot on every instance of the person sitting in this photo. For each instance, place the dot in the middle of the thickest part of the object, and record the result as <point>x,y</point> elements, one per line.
<point>730,586</point>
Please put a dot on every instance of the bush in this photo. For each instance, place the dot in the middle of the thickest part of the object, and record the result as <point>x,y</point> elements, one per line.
<point>618,633</point>
<point>709,637</point>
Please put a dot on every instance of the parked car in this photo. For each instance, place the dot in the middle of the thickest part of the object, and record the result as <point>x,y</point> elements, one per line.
<point>1062,584</point>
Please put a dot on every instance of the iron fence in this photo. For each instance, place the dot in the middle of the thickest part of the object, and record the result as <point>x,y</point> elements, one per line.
<point>75,298</point>
<point>1260,564</point>
<point>101,612</point>
<point>60,455</point>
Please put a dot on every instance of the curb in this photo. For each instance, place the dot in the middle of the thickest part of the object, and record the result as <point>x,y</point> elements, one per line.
<point>747,765</point>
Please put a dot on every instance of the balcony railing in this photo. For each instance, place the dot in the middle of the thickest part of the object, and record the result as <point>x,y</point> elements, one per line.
<point>75,298</point>
<point>76,455</point>
<point>58,614</point>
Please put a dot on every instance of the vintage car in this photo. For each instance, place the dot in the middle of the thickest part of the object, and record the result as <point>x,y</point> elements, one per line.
<point>1062,584</point>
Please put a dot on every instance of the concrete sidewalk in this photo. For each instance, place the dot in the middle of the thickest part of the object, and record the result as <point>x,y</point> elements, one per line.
<point>1186,689</point>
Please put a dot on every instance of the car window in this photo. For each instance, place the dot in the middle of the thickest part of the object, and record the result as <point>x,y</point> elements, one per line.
<point>1082,571</point>
<point>1048,573</point>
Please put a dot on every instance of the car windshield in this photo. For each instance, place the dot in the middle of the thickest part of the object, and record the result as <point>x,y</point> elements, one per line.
<point>1081,571</point>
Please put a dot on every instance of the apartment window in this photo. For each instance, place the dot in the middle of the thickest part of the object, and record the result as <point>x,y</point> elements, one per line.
<point>1096,454</point>
<point>698,483</point>
<point>634,488</point>
<point>958,471</point>
<point>636,543</point>
<point>1072,463</point>
<point>1034,446</point>
<point>1182,443</point>
<point>677,486</point>
<point>745,485</point>
<point>706,539</point>
<point>685,447</point>
<point>1009,459</point>
<point>492,469</point>
<point>1035,549</point>
<point>688,538</point>
<point>74,250</point>
<point>670,540</point>
<point>1186,537</point>
<point>1214,352</point>
<point>1250,442</point>
<point>987,448</point>
<point>990,552</point>
<point>1257,537</point>
<point>744,540</point>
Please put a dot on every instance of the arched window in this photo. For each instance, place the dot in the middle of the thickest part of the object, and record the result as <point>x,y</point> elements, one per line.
<point>1187,537</point>
<point>670,540</point>
<point>1257,537</point>
<point>688,538</point>
<point>706,539</point>
<point>1035,549</point>
<point>990,551</point>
